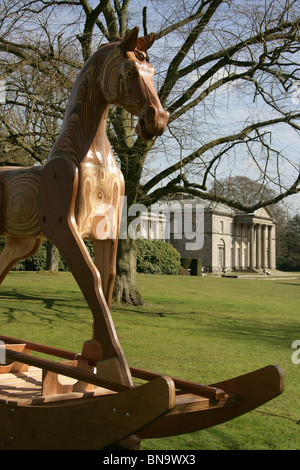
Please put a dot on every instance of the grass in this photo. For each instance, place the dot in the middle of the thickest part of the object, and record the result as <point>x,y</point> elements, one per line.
<point>202,329</point>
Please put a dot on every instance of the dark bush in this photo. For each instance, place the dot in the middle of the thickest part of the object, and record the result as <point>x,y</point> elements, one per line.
<point>153,257</point>
<point>288,263</point>
<point>37,262</point>
<point>157,257</point>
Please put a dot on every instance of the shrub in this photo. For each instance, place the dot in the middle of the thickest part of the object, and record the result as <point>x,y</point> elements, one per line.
<point>288,263</point>
<point>37,262</point>
<point>157,257</point>
<point>153,257</point>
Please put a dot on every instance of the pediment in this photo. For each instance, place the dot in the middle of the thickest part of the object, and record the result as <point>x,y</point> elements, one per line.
<point>263,213</point>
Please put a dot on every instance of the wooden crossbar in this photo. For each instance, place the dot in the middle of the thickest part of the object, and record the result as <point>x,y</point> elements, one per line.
<point>51,351</point>
<point>68,371</point>
<point>183,385</point>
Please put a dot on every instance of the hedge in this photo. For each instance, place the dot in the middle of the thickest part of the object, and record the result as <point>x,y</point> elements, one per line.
<point>157,257</point>
<point>153,257</point>
<point>37,262</point>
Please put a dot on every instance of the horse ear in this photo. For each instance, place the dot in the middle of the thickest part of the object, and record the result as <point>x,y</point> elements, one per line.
<point>143,44</point>
<point>129,42</point>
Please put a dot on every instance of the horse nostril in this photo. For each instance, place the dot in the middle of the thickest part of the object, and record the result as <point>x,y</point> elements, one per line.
<point>152,122</point>
<point>143,124</point>
<point>151,113</point>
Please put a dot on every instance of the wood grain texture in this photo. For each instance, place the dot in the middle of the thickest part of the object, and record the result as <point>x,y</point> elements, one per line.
<point>97,211</point>
<point>14,366</point>
<point>58,221</point>
<point>193,407</point>
<point>244,393</point>
<point>15,250</point>
<point>110,418</point>
<point>19,202</point>
<point>78,193</point>
<point>27,388</point>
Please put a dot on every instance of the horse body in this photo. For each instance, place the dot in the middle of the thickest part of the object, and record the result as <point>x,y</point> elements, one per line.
<point>76,195</point>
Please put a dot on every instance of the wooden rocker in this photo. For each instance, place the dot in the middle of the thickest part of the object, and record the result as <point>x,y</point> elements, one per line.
<point>90,399</point>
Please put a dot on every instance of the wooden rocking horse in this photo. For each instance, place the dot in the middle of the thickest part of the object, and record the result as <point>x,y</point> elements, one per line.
<point>89,400</point>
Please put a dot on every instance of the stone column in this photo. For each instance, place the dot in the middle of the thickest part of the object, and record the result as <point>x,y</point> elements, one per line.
<point>258,246</point>
<point>246,247</point>
<point>241,246</point>
<point>235,247</point>
<point>263,247</point>
<point>252,247</point>
<point>270,247</point>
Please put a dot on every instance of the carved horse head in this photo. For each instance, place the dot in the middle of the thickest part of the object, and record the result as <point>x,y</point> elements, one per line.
<point>127,80</point>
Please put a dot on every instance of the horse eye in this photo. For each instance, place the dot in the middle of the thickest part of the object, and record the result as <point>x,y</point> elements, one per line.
<point>128,73</point>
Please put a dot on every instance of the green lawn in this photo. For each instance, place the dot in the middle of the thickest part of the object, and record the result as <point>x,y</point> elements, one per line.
<point>201,329</point>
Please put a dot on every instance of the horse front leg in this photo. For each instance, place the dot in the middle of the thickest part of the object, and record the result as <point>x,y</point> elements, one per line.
<point>16,249</point>
<point>56,207</point>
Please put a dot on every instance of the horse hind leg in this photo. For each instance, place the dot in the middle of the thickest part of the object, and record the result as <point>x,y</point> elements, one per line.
<point>15,250</point>
<point>105,260</point>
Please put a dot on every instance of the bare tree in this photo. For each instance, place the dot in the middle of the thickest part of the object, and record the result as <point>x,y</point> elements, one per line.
<point>227,71</point>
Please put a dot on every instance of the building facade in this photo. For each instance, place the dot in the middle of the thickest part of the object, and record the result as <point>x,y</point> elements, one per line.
<point>223,238</point>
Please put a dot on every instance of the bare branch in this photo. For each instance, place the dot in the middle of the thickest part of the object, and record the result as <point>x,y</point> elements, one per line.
<point>172,73</point>
<point>214,143</point>
<point>224,56</point>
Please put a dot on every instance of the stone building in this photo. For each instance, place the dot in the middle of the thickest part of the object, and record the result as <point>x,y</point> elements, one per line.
<point>222,237</point>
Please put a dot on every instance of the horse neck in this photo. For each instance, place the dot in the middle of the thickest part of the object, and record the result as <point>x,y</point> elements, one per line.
<point>83,135</point>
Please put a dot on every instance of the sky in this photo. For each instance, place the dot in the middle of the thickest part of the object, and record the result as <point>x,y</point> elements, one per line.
<point>219,114</point>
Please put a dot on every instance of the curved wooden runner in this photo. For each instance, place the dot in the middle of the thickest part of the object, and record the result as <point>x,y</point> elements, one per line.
<point>85,423</point>
<point>149,411</point>
<point>243,394</point>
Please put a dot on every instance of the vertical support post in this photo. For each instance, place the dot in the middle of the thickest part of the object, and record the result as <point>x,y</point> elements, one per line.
<point>263,247</point>
<point>241,246</point>
<point>258,246</point>
<point>270,247</point>
<point>252,246</point>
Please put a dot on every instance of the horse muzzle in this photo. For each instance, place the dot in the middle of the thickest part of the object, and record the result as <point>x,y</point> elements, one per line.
<point>152,122</point>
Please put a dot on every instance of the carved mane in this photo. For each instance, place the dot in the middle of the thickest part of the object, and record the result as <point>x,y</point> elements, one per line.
<point>84,109</point>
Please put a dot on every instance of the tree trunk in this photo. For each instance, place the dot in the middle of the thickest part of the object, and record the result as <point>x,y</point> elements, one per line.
<point>52,257</point>
<point>125,289</point>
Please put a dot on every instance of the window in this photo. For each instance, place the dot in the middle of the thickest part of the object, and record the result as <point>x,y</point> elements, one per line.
<point>221,254</point>
<point>221,226</point>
